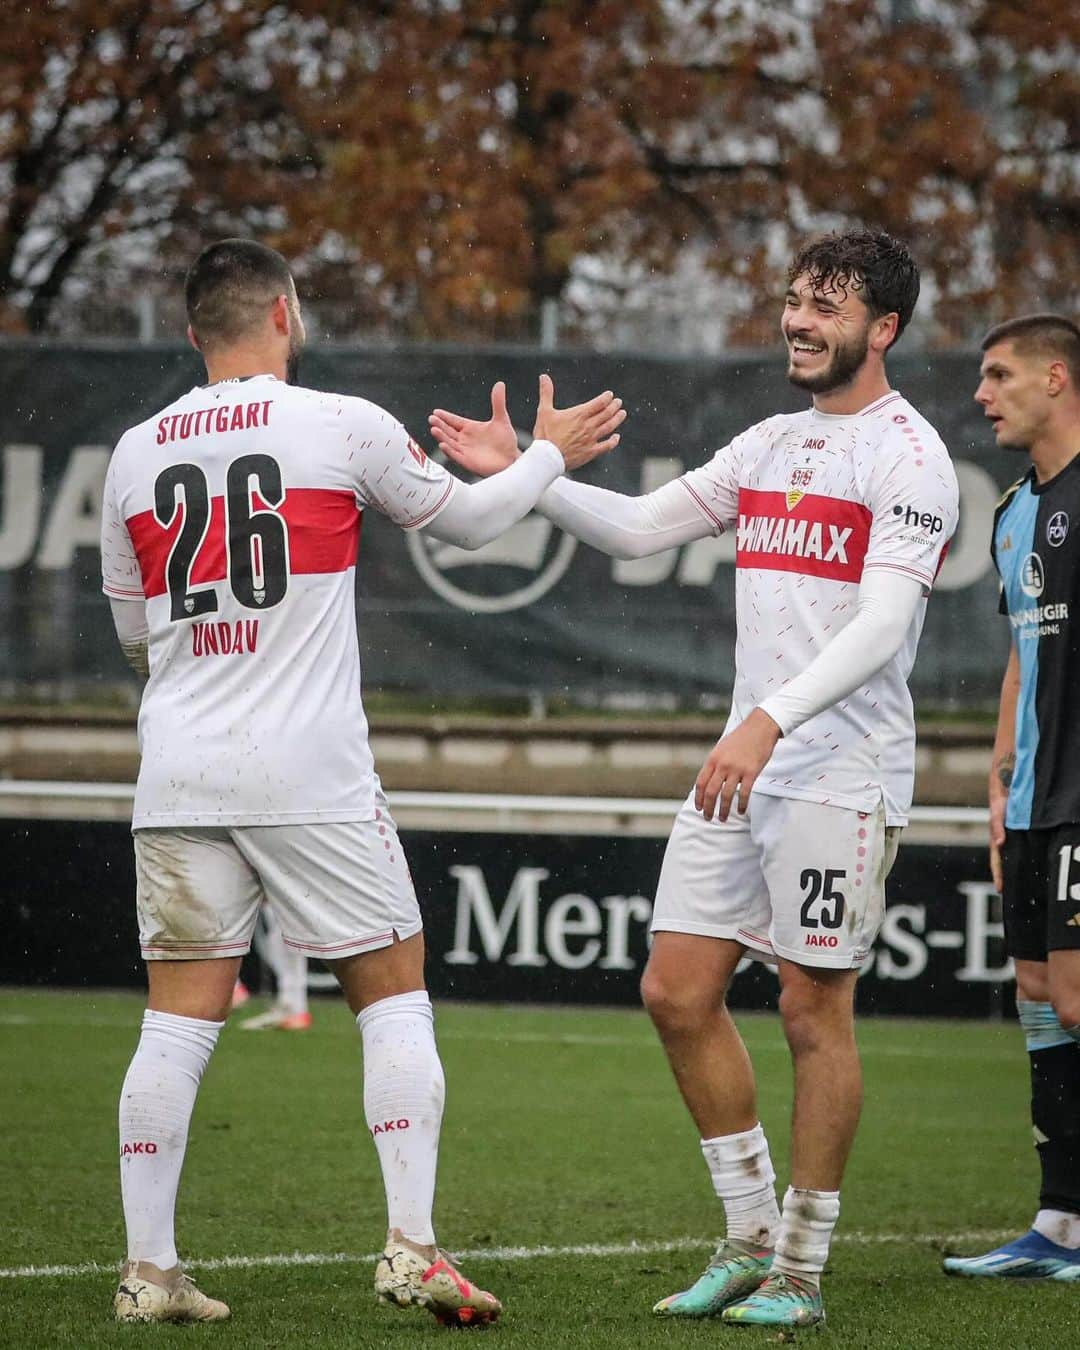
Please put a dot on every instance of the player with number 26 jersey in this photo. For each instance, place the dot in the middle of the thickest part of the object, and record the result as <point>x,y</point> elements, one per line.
<point>236,512</point>
<point>230,535</point>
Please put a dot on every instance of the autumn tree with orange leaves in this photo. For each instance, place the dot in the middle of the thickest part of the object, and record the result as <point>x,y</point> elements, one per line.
<point>442,169</point>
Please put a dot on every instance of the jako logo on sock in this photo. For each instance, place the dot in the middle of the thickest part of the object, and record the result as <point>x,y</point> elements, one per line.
<point>137,1148</point>
<point>389,1125</point>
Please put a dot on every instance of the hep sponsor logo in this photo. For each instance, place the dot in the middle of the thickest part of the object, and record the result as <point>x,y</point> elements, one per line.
<point>1032,576</point>
<point>920,520</point>
<point>822,940</point>
<point>129,1150</point>
<point>1057,529</point>
<point>389,1126</point>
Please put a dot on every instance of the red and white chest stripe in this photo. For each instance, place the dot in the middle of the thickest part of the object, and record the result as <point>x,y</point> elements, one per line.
<point>323,534</point>
<point>819,536</point>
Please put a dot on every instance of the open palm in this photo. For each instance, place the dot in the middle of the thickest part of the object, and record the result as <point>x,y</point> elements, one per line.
<point>480,447</point>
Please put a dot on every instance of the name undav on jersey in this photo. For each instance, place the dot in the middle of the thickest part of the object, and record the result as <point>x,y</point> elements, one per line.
<point>818,536</point>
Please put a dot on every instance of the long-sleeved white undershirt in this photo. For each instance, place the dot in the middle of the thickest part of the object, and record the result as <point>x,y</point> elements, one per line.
<point>477,513</point>
<point>887,604</point>
<point>129,619</point>
<point>625,527</point>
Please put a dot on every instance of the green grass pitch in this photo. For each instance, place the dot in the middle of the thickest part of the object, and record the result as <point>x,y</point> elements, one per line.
<point>563,1129</point>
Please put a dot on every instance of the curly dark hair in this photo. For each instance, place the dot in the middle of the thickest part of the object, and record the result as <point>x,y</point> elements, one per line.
<point>872,262</point>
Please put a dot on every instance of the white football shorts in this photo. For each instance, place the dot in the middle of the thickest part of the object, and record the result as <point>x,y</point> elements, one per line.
<point>791,879</point>
<point>336,889</point>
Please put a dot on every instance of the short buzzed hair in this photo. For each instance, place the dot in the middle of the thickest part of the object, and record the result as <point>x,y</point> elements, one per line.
<point>229,286</point>
<point>879,266</point>
<point>1048,335</point>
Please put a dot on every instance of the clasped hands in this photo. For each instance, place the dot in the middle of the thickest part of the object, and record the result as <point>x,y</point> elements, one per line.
<point>581,433</point>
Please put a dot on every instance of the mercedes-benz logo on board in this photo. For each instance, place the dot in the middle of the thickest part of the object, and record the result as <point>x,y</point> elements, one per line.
<point>509,573</point>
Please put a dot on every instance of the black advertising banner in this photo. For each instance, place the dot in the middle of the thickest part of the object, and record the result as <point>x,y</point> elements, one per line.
<point>533,612</point>
<point>515,918</point>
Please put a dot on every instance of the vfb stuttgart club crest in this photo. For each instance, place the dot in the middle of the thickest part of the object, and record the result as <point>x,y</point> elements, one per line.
<point>509,573</point>
<point>798,486</point>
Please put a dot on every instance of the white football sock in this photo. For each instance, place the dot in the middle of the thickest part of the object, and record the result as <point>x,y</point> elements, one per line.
<point>289,965</point>
<point>743,1177</point>
<point>156,1102</point>
<point>404,1089</point>
<point>805,1233</point>
<point>1059,1226</point>
<point>291,974</point>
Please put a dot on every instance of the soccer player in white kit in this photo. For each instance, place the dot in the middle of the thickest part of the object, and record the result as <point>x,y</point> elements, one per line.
<point>230,534</point>
<point>842,516</point>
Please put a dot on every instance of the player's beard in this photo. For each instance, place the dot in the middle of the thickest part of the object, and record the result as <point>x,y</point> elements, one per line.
<point>292,364</point>
<point>846,363</point>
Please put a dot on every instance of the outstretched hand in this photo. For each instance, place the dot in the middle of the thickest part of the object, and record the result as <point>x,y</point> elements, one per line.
<point>582,432</point>
<point>480,447</point>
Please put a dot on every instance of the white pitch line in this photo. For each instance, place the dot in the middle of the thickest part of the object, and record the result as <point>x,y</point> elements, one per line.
<point>1003,1051</point>
<point>496,1253</point>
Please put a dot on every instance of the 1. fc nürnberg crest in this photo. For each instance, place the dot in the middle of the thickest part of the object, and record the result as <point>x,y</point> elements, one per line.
<point>798,486</point>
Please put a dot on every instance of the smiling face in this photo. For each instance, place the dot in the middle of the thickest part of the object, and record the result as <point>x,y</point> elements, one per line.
<point>827,329</point>
<point>1014,393</point>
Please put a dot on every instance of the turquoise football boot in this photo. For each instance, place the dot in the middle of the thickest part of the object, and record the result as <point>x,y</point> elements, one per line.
<point>736,1269</point>
<point>781,1301</point>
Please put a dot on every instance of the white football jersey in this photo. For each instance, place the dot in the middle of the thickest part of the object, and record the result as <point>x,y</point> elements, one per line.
<point>816,499</point>
<point>236,513</point>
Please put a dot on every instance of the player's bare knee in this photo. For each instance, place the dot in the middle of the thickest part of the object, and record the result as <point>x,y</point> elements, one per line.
<point>674,1005</point>
<point>813,1015</point>
<point>802,1020</point>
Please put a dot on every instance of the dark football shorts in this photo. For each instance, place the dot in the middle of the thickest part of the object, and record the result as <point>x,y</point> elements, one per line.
<point>1041,891</point>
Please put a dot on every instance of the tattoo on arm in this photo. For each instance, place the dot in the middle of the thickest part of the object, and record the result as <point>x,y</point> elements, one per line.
<point>1005,769</point>
<point>137,656</point>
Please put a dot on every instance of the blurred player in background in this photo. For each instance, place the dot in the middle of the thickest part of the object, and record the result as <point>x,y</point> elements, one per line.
<point>229,542</point>
<point>843,514</point>
<point>1030,391</point>
<point>289,967</point>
